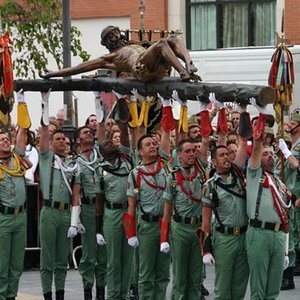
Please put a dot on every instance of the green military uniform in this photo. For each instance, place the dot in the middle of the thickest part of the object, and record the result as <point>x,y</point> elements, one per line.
<point>227,198</point>
<point>93,261</point>
<point>153,264</point>
<point>295,189</point>
<point>265,239</point>
<point>113,181</point>
<point>186,254</point>
<point>290,179</point>
<point>54,221</point>
<point>13,222</point>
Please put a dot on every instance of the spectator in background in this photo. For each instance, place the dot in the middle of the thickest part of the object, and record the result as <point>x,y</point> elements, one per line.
<point>32,154</point>
<point>109,123</point>
<point>235,119</point>
<point>233,137</point>
<point>116,138</point>
<point>53,125</point>
<point>60,118</point>
<point>91,122</point>
<point>232,150</point>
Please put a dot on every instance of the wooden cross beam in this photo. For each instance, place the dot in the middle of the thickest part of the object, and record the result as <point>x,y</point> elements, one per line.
<point>229,92</point>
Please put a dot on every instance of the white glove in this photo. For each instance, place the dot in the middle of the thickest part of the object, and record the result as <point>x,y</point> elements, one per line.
<point>133,242</point>
<point>176,110</point>
<point>137,95</point>
<point>75,212</point>
<point>98,107</point>
<point>202,105</point>
<point>208,259</point>
<point>100,239</point>
<point>20,96</point>
<point>72,232</point>
<point>81,228</point>
<point>286,262</point>
<point>165,102</point>
<point>165,247</point>
<point>284,148</point>
<point>261,109</point>
<point>45,107</point>
<point>214,101</point>
<point>118,95</point>
<point>175,96</point>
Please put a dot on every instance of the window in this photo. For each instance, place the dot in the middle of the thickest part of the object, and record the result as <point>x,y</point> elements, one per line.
<point>213,24</point>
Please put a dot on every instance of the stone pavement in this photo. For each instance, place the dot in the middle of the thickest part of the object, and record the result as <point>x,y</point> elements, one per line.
<point>30,287</point>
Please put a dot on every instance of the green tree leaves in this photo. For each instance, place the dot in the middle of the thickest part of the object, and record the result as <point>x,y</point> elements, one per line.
<point>36,30</point>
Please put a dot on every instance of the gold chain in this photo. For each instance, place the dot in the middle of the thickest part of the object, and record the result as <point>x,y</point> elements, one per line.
<point>18,169</point>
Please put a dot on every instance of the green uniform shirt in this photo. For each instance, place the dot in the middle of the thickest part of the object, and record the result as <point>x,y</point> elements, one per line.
<point>295,185</point>
<point>267,211</point>
<point>183,204</point>
<point>60,192</point>
<point>87,177</point>
<point>12,188</point>
<point>149,198</point>
<point>290,175</point>
<point>231,208</point>
<point>114,178</point>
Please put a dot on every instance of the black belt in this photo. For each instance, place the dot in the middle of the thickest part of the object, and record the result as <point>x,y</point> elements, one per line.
<point>58,205</point>
<point>150,218</point>
<point>6,210</point>
<point>119,205</point>
<point>232,230</point>
<point>89,201</point>
<point>187,220</point>
<point>266,225</point>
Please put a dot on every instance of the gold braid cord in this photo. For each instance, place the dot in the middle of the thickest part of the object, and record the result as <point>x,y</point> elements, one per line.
<point>19,167</point>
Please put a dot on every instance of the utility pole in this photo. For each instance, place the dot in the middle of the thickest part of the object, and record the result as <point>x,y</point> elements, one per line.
<point>68,104</point>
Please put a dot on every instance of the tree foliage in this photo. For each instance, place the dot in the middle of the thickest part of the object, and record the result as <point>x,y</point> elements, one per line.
<point>36,30</point>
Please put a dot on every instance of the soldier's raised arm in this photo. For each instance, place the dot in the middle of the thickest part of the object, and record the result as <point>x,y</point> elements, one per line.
<point>258,134</point>
<point>44,140</point>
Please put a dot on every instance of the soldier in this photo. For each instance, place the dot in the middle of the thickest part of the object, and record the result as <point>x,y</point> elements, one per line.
<point>56,175</point>
<point>225,195</point>
<point>146,184</point>
<point>13,218</point>
<point>113,174</point>
<point>267,209</point>
<point>294,129</point>
<point>291,165</point>
<point>92,265</point>
<point>183,201</point>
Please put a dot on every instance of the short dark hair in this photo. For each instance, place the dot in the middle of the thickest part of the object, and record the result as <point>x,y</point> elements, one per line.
<point>79,130</point>
<point>56,132</point>
<point>140,140</point>
<point>232,132</point>
<point>215,150</point>
<point>182,142</point>
<point>230,142</point>
<point>87,121</point>
<point>197,139</point>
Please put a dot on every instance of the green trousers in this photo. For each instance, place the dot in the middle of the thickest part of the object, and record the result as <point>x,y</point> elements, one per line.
<point>92,265</point>
<point>231,268</point>
<point>55,247</point>
<point>297,228</point>
<point>12,249</point>
<point>119,255</point>
<point>265,250</point>
<point>154,273</point>
<point>292,252</point>
<point>187,262</point>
